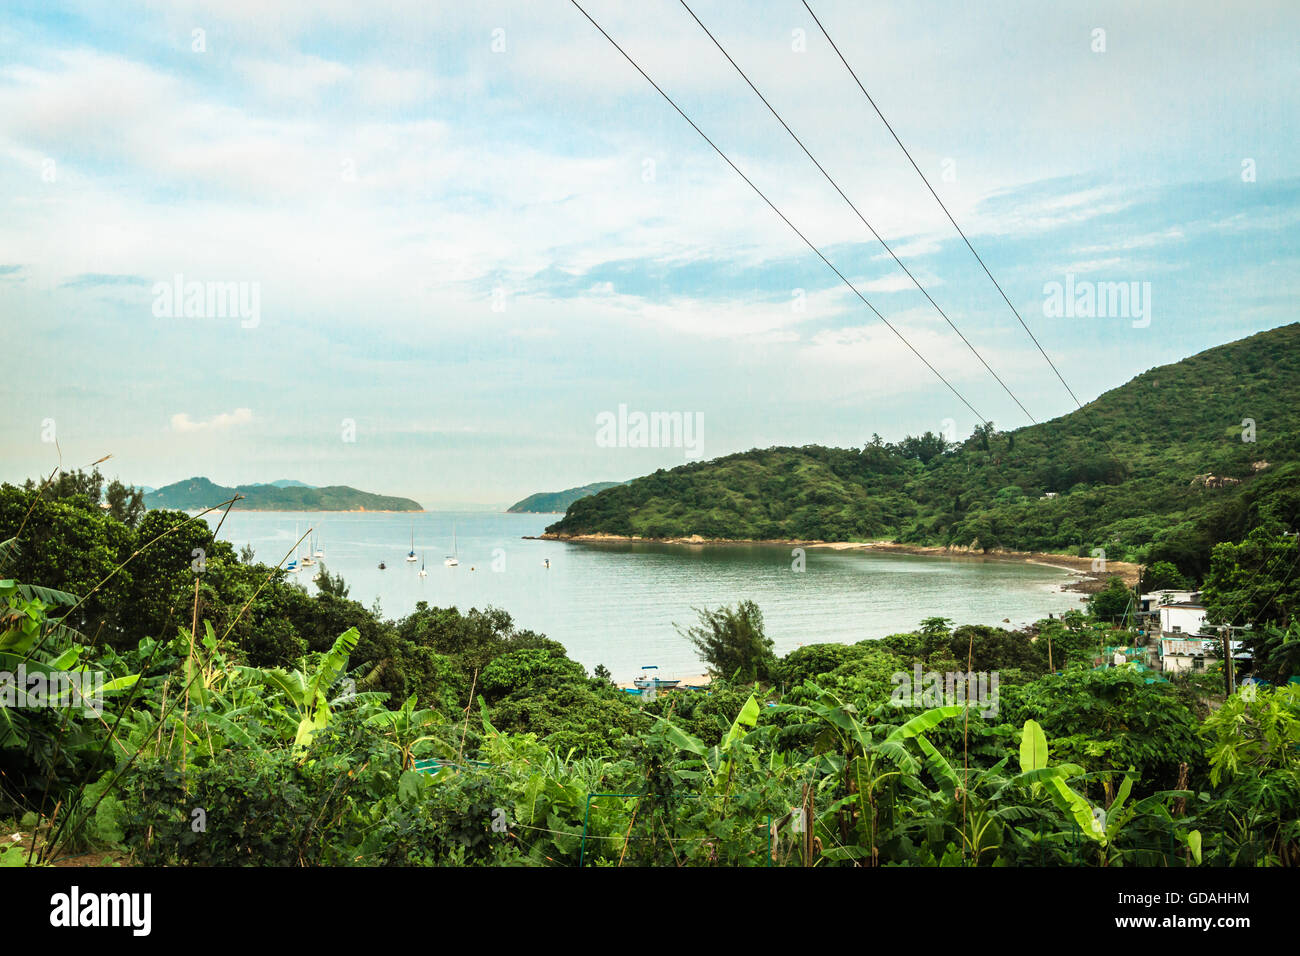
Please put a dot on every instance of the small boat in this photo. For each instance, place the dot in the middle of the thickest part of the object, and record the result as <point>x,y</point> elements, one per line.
<point>423,573</point>
<point>292,567</point>
<point>644,682</point>
<point>382,565</point>
<point>411,555</point>
<point>320,552</point>
<point>546,563</point>
<point>451,560</point>
<point>655,682</point>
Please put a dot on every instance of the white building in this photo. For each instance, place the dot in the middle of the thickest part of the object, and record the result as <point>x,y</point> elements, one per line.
<point>1150,602</point>
<point>1181,646</point>
<point>1179,619</point>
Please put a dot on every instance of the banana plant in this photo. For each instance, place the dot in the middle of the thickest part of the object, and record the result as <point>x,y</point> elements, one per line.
<point>717,761</point>
<point>306,693</point>
<point>33,642</point>
<point>406,729</point>
<point>1103,826</point>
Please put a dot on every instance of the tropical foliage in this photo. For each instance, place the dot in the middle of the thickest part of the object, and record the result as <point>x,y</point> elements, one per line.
<point>241,721</point>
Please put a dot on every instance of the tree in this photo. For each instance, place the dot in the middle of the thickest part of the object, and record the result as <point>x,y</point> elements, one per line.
<point>936,626</point>
<point>1275,651</point>
<point>1164,576</point>
<point>731,641</point>
<point>1111,602</point>
<point>925,448</point>
<point>1254,581</point>
<point>980,534</point>
<point>125,503</point>
<point>331,584</point>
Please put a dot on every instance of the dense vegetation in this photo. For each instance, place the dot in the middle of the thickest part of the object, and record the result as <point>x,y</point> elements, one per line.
<point>546,502</point>
<point>1159,469</point>
<point>195,493</point>
<point>246,722</point>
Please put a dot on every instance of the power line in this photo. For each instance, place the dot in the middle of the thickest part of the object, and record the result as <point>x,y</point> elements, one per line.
<point>774,208</point>
<point>855,209</point>
<point>1005,298</point>
<point>978,259</point>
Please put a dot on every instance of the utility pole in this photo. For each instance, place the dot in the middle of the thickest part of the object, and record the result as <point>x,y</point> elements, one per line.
<point>1229,678</point>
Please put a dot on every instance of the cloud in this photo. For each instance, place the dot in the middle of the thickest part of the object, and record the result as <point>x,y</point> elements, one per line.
<point>897,283</point>
<point>95,280</point>
<point>181,422</point>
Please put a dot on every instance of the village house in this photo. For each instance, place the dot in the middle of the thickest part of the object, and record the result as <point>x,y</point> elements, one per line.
<point>1175,619</point>
<point>1150,602</point>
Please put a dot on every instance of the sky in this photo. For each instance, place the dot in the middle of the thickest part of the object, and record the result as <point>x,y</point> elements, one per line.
<point>463,233</point>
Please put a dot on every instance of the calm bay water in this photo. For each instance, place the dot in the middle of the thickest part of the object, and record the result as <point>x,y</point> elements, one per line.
<point>616,603</point>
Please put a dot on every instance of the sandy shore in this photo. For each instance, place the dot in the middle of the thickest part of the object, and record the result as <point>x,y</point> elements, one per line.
<point>1087,579</point>
<point>301,511</point>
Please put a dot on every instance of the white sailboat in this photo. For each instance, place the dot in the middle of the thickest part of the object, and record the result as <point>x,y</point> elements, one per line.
<point>320,552</point>
<point>305,560</point>
<point>423,573</point>
<point>452,560</point>
<point>411,556</point>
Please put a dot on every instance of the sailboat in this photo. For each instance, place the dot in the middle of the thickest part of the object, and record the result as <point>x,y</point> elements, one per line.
<point>305,560</point>
<point>292,566</point>
<point>451,560</point>
<point>423,573</point>
<point>320,552</point>
<point>411,556</point>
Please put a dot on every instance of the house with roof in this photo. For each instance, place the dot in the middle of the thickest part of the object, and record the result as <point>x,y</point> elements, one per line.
<point>1181,645</point>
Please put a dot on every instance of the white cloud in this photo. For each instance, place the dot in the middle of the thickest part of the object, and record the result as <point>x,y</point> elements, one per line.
<point>181,422</point>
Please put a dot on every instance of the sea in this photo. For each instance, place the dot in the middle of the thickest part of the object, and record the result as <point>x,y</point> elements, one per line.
<point>624,604</point>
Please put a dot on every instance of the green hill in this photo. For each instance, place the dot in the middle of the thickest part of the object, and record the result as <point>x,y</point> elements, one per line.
<point>1127,473</point>
<point>201,493</point>
<point>547,502</point>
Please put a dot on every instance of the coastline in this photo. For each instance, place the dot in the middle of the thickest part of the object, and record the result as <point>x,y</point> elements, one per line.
<point>300,511</point>
<point>1088,579</point>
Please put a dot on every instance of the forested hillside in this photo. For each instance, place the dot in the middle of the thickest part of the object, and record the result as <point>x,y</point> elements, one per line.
<point>554,501</point>
<point>280,496</point>
<point>1179,458</point>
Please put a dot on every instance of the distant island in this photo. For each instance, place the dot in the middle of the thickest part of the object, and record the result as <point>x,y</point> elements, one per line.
<point>282,495</point>
<point>557,502</point>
